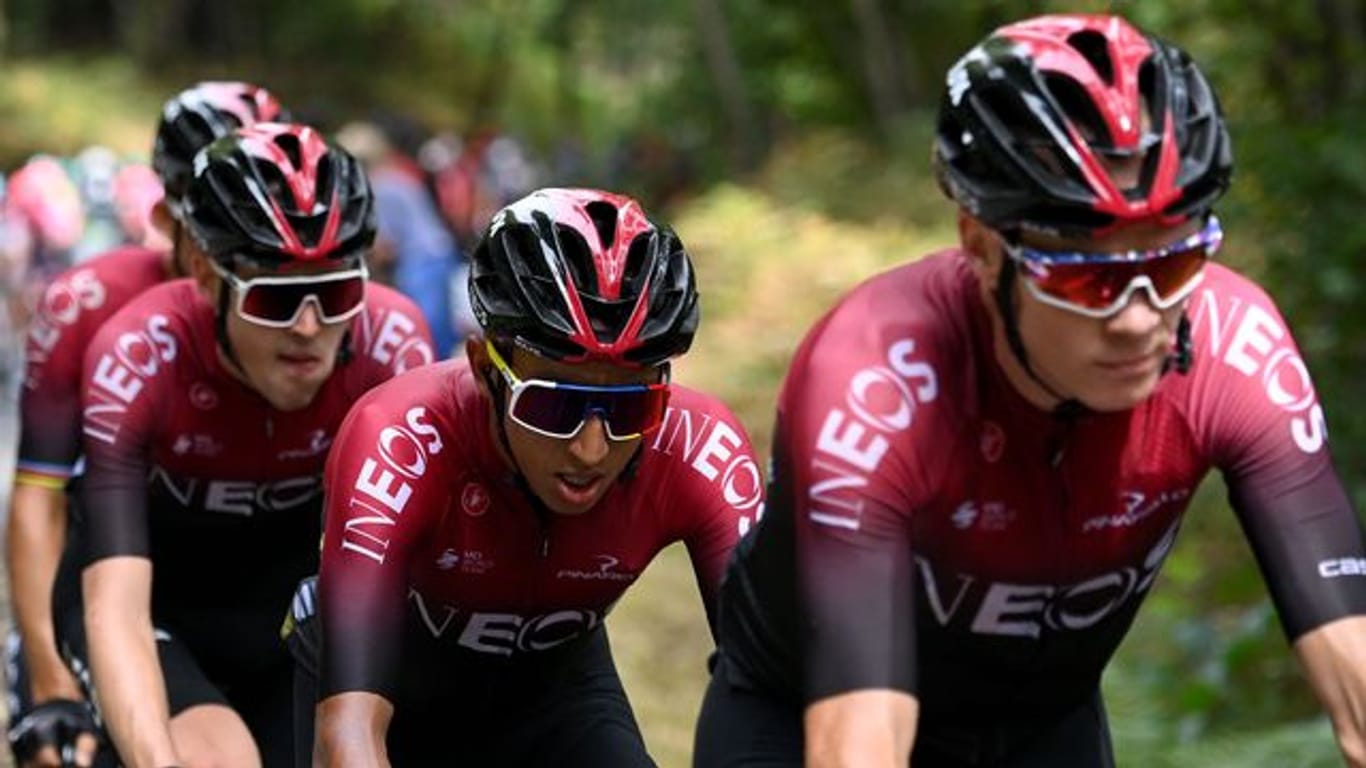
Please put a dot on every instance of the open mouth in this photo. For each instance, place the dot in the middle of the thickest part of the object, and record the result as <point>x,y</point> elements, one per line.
<point>578,490</point>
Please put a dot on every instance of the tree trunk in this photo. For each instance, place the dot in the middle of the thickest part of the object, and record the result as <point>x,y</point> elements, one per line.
<point>79,23</point>
<point>1344,56</point>
<point>152,29</point>
<point>746,133</point>
<point>881,64</point>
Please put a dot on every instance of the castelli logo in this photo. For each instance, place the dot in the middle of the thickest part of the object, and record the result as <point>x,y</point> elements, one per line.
<point>993,441</point>
<point>474,500</point>
<point>203,396</point>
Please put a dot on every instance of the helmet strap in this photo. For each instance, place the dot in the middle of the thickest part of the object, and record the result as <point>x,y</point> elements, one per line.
<point>345,353</point>
<point>496,392</point>
<point>1005,304</point>
<point>221,328</point>
<point>1183,356</point>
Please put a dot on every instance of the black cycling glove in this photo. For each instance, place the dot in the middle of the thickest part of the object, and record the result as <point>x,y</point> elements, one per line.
<point>56,723</point>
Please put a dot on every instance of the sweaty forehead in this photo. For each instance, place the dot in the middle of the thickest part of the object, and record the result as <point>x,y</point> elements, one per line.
<point>531,366</point>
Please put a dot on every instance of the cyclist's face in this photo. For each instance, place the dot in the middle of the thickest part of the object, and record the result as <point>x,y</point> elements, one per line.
<point>286,366</point>
<point>570,476</point>
<point>1110,363</point>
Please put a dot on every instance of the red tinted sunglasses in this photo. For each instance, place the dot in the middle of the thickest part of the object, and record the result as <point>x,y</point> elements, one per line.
<point>1101,284</point>
<point>558,409</point>
<point>277,301</point>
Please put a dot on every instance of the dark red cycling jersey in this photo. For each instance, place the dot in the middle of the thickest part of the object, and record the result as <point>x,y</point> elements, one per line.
<point>188,467</point>
<point>74,306</point>
<point>931,531</point>
<point>421,508</point>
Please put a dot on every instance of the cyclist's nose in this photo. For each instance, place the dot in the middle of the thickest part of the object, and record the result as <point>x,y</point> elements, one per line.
<point>309,322</point>
<point>1138,317</point>
<point>590,446</point>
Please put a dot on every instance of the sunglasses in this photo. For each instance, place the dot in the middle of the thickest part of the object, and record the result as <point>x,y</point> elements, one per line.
<point>1101,284</point>
<point>277,302</point>
<point>559,410</point>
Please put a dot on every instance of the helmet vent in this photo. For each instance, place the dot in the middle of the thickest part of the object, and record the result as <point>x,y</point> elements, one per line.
<point>1079,108</point>
<point>578,259</point>
<point>604,216</point>
<point>636,273</point>
<point>289,144</point>
<point>1092,45</point>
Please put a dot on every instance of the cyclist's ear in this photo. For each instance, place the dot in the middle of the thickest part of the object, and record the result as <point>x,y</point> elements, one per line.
<point>198,267</point>
<point>163,221</point>
<point>983,247</point>
<point>480,364</point>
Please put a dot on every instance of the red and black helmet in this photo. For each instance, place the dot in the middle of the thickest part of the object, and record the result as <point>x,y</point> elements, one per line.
<point>583,275</point>
<point>1030,114</point>
<point>200,115</point>
<point>275,194</point>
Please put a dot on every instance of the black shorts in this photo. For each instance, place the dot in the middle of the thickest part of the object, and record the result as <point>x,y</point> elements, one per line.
<point>741,725</point>
<point>194,674</point>
<point>563,707</point>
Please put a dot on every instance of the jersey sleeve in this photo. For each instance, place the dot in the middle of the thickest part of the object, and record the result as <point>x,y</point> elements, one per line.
<point>383,492</point>
<point>852,414</point>
<point>1256,407</point>
<point>720,497</point>
<point>50,401</point>
<point>127,374</point>
<point>391,336</point>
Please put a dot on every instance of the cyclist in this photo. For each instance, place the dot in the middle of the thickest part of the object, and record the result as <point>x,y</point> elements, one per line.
<point>484,514</point>
<point>46,699</point>
<point>982,457</point>
<point>209,407</point>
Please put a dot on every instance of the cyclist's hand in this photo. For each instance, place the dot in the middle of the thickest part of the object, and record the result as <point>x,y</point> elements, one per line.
<point>59,733</point>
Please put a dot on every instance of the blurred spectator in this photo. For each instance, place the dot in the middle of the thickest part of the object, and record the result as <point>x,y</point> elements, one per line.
<point>94,171</point>
<point>474,177</point>
<point>414,249</point>
<point>136,191</point>
<point>508,170</point>
<point>465,200</point>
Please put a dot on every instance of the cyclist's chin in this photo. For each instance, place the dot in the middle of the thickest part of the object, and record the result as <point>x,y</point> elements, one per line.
<point>288,390</point>
<point>1122,395</point>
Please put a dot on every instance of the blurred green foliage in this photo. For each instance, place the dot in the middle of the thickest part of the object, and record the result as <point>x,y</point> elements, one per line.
<point>808,165</point>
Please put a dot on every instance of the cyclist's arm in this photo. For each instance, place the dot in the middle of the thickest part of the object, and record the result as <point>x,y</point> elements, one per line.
<point>123,659</point>
<point>1334,660</point>
<point>120,424</point>
<point>49,443</point>
<point>860,711</point>
<point>351,730</point>
<point>376,515</point>
<point>34,541</point>
<point>1255,409</point>
<point>861,728</point>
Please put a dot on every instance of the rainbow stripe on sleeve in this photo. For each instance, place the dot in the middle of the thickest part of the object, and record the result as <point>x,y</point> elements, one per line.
<point>43,475</point>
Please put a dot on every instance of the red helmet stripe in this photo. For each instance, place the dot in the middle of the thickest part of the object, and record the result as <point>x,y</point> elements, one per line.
<point>328,241</point>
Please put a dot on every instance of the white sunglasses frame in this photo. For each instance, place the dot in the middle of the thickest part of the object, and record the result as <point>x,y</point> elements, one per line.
<point>240,286</point>
<point>1212,233</point>
<point>1121,301</point>
<point>518,385</point>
